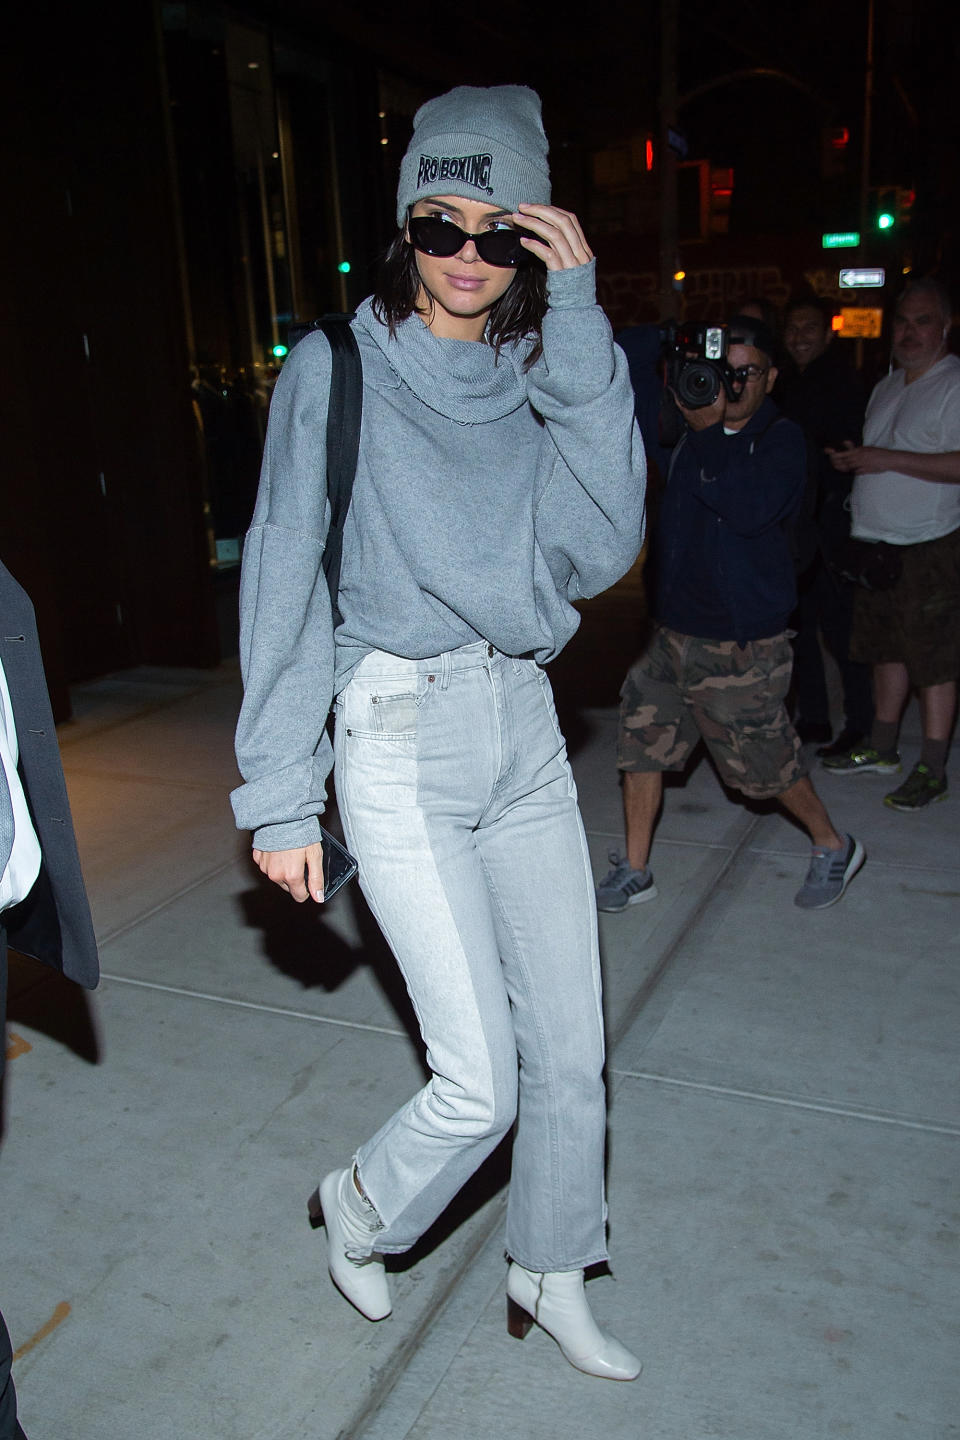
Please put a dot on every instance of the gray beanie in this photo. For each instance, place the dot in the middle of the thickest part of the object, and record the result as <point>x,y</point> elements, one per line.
<point>482,144</point>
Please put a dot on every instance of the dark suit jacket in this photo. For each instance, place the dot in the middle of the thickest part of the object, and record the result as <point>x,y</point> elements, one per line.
<point>53,923</point>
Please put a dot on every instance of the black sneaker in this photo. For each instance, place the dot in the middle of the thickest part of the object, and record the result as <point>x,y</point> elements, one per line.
<point>846,741</point>
<point>864,759</point>
<point>920,788</point>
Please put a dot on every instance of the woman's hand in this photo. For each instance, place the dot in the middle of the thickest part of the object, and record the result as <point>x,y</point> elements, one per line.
<point>299,872</point>
<point>562,245</point>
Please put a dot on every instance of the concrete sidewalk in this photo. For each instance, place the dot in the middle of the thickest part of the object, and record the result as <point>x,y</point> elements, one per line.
<point>784,1131</point>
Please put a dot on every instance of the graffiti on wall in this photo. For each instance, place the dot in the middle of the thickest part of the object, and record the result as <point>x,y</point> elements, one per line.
<point>633,299</point>
<point>824,283</point>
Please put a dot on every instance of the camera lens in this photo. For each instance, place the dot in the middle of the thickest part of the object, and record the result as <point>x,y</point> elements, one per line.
<point>698,384</point>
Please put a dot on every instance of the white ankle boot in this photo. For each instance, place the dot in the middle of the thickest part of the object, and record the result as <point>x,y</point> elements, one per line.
<point>556,1302</point>
<point>351,1223</point>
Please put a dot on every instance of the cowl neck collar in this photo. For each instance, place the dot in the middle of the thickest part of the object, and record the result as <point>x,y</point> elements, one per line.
<point>463,380</point>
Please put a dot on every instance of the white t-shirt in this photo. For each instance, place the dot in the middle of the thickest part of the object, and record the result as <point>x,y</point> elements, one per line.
<point>23,867</point>
<point>923,417</point>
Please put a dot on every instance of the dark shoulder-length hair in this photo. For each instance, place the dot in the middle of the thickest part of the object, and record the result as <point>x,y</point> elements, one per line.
<point>516,316</point>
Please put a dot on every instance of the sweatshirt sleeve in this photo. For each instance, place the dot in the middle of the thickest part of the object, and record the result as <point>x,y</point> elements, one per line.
<point>590,517</point>
<point>286,628</point>
<point>753,482</point>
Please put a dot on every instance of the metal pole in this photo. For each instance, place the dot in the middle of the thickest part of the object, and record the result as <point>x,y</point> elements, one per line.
<point>867,124</point>
<point>669,239</point>
<point>865,152</point>
<point>337,206</point>
<point>269,251</point>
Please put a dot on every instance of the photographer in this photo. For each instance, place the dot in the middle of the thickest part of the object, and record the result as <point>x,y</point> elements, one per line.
<point>719,661</point>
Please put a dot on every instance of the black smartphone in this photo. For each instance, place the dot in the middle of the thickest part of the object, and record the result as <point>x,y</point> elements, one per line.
<point>339,865</point>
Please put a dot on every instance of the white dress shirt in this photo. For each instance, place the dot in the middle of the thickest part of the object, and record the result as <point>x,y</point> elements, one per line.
<point>23,867</point>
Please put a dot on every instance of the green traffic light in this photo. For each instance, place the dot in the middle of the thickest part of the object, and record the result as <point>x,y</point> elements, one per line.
<point>885,221</point>
<point>344,267</point>
<point>279,351</point>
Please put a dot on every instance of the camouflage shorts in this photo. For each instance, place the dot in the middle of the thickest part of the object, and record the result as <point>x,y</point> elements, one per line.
<point>683,688</point>
<point>915,623</point>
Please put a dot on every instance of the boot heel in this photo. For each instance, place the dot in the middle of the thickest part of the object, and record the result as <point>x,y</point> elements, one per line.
<point>519,1321</point>
<point>315,1210</point>
<point>555,1301</point>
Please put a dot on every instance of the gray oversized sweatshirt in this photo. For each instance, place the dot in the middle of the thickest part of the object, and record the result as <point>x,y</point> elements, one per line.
<point>485,501</point>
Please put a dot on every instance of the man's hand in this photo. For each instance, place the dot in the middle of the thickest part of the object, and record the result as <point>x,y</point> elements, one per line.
<point>858,459</point>
<point>705,415</point>
<point>299,872</point>
<point>940,467</point>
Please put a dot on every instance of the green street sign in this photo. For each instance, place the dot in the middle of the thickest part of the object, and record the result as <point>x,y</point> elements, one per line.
<point>841,239</point>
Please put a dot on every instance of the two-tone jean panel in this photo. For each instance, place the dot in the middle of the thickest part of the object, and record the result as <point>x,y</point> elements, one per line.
<point>458,801</point>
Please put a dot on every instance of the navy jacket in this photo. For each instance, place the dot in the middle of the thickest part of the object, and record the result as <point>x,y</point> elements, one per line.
<point>642,346</point>
<point>723,549</point>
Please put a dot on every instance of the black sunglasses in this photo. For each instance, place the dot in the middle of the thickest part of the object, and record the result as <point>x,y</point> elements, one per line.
<point>750,372</point>
<point>433,235</point>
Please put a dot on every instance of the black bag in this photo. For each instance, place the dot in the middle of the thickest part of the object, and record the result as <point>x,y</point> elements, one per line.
<point>343,440</point>
<point>871,564</point>
<point>344,412</point>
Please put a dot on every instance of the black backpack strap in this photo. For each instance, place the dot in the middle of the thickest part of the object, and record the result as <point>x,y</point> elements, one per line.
<point>343,440</point>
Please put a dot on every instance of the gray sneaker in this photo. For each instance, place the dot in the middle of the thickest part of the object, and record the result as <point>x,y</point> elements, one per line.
<point>624,886</point>
<point>829,875</point>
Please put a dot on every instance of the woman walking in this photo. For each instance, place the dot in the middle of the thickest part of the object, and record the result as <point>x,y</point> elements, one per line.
<point>500,477</point>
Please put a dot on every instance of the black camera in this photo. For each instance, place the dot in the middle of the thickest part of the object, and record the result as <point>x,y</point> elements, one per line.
<point>697,367</point>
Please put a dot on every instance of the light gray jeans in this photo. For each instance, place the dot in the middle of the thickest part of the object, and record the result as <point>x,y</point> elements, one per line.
<point>457,799</point>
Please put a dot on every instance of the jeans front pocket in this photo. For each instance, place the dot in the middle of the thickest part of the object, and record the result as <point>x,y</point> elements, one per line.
<point>394,715</point>
<point>383,708</point>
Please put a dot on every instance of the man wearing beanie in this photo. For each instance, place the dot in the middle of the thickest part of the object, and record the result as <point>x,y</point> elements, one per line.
<point>500,477</point>
<point>719,661</point>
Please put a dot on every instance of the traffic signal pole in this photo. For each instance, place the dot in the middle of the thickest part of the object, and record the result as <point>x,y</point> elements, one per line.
<point>670,300</point>
<point>865,152</point>
<point>867,125</point>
